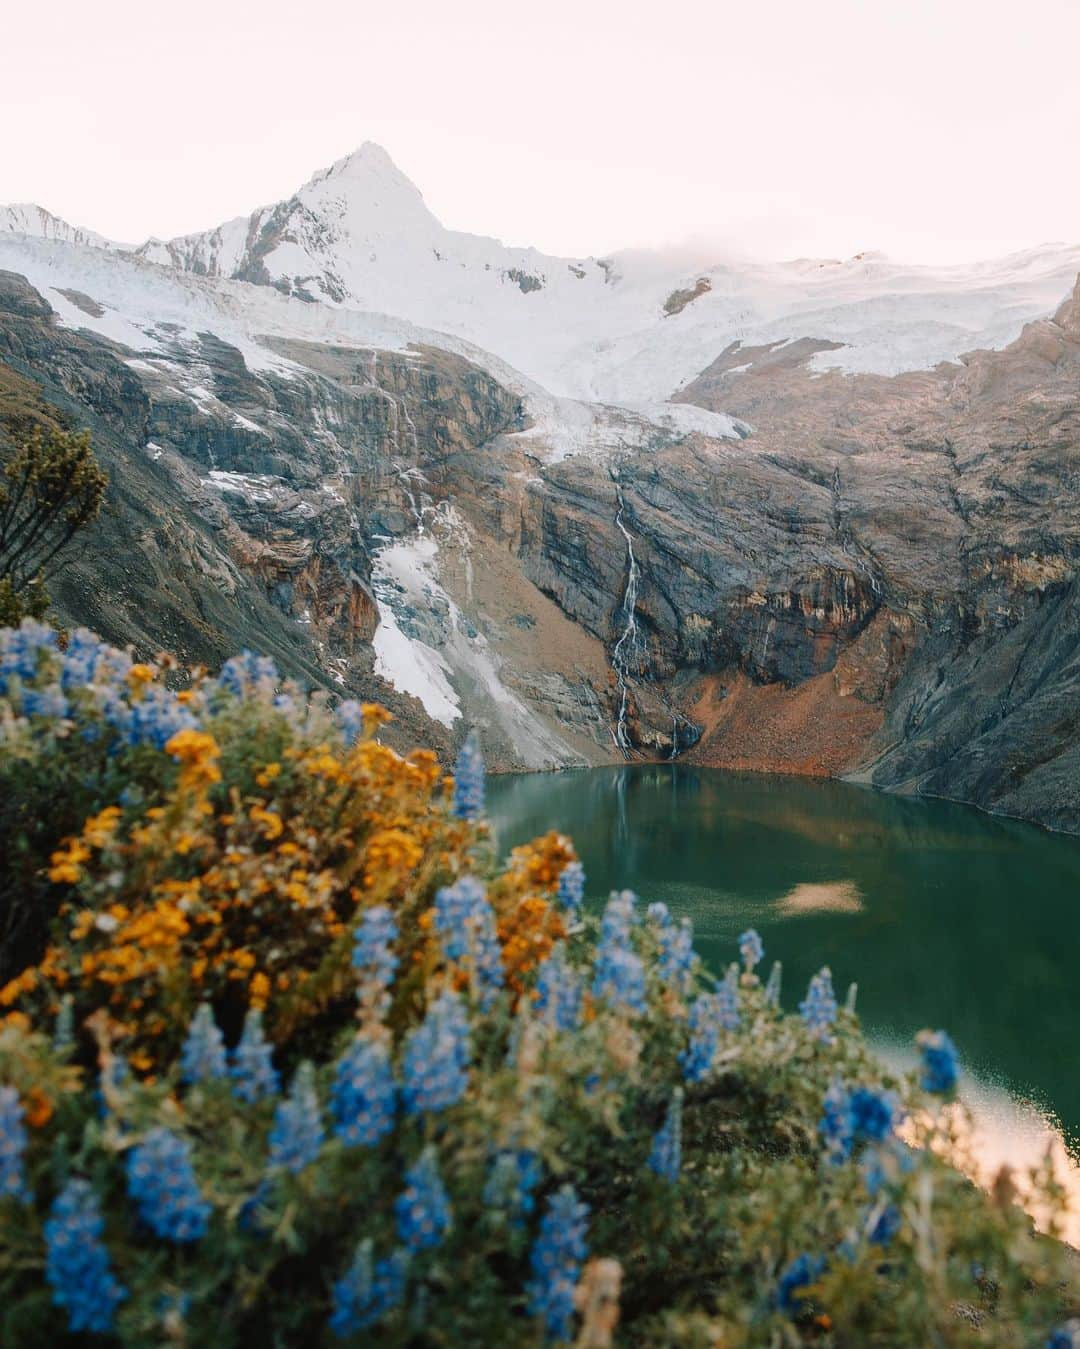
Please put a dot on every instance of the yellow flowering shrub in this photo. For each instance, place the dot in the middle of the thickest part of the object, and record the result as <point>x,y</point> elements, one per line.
<point>243,884</point>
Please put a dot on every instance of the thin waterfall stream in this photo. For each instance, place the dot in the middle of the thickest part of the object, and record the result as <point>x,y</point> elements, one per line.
<point>627,649</point>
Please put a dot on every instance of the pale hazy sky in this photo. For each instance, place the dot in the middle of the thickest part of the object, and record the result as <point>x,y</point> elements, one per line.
<point>934,130</point>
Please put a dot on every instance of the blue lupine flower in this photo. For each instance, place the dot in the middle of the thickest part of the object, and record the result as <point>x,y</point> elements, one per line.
<point>157,717</point>
<point>677,955</point>
<point>710,1014</point>
<point>558,991</point>
<point>77,1263</point>
<point>751,948</point>
<point>202,1057</point>
<point>113,665</point>
<point>556,1260</point>
<point>364,1093</point>
<point>455,906</point>
<point>349,716</point>
<point>618,974</point>
<point>619,978</point>
<point>422,1209</point>
<point>799,1274</point>
<point>469,780</point>
<point>571,889</point>
<point>873,1114</point>
<point>858,1115</point>
<point>836,1128</point>
<point>465,922</point>
<point>46,702</point>
<point>487,958</point>
<point>116,713</point>
<point>666,1155</point>
<point>940,1062</point>
<point>373,957</point>
<point>12,1146</point>
<point>885,1226</point>
<point>620,915</point>
<point>248,673</point>
<point>161,1181</point>
<point>79,663</point>
<point>20,649</point>
<point>252,1063</point>
<point>511,1184</point>
<point>436,1060</point>
<point>818,1009</point>
<point>772,988</point>
<point>297,1134</point>
<point>369,1291</point>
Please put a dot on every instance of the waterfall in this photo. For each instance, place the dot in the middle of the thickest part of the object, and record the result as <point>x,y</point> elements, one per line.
<point>629,652</point>
<point>627,649</point>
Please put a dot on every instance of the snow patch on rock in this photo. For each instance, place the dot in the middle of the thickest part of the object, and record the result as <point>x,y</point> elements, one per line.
<point>404,585</point>
<point>425,646</point>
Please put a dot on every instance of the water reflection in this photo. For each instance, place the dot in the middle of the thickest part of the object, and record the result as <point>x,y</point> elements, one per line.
<point>997,1128</point>
<point>832,897</point>
<point>945,916</point>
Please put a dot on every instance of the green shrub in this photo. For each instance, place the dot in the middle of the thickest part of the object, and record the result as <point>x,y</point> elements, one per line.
<point>51,486</point>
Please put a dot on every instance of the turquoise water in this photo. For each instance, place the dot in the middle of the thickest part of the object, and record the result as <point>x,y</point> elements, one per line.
<point>945,916</point>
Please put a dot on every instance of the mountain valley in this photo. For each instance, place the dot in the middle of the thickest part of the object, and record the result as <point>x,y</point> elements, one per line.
<point>815,517</point>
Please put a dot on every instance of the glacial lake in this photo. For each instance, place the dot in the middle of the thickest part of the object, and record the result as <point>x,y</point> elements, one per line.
<point>945,917</point>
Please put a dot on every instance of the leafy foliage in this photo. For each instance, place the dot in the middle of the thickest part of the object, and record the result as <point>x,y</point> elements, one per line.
<point>300,1065</point>
<point>51,486</point>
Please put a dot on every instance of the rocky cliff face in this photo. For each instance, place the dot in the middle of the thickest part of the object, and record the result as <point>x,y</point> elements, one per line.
<point>819,557</point>
<point>954,497</point>
<point>242,508</point>
<point>257,510</point>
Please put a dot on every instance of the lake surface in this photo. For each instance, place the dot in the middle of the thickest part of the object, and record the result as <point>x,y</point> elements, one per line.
<point>945,917</point>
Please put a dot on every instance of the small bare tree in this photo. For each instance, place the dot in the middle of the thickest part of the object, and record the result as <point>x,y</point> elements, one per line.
<point>51,486</point>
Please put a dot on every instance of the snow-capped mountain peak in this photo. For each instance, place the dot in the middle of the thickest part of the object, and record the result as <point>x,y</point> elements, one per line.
<point>365,195</point>
<point>356,233</point>
<point>369,166</point>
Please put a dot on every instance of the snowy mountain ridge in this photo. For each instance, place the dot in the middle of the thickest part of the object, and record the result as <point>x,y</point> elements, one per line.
<point>630,329</point>
<point>27,218</point>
